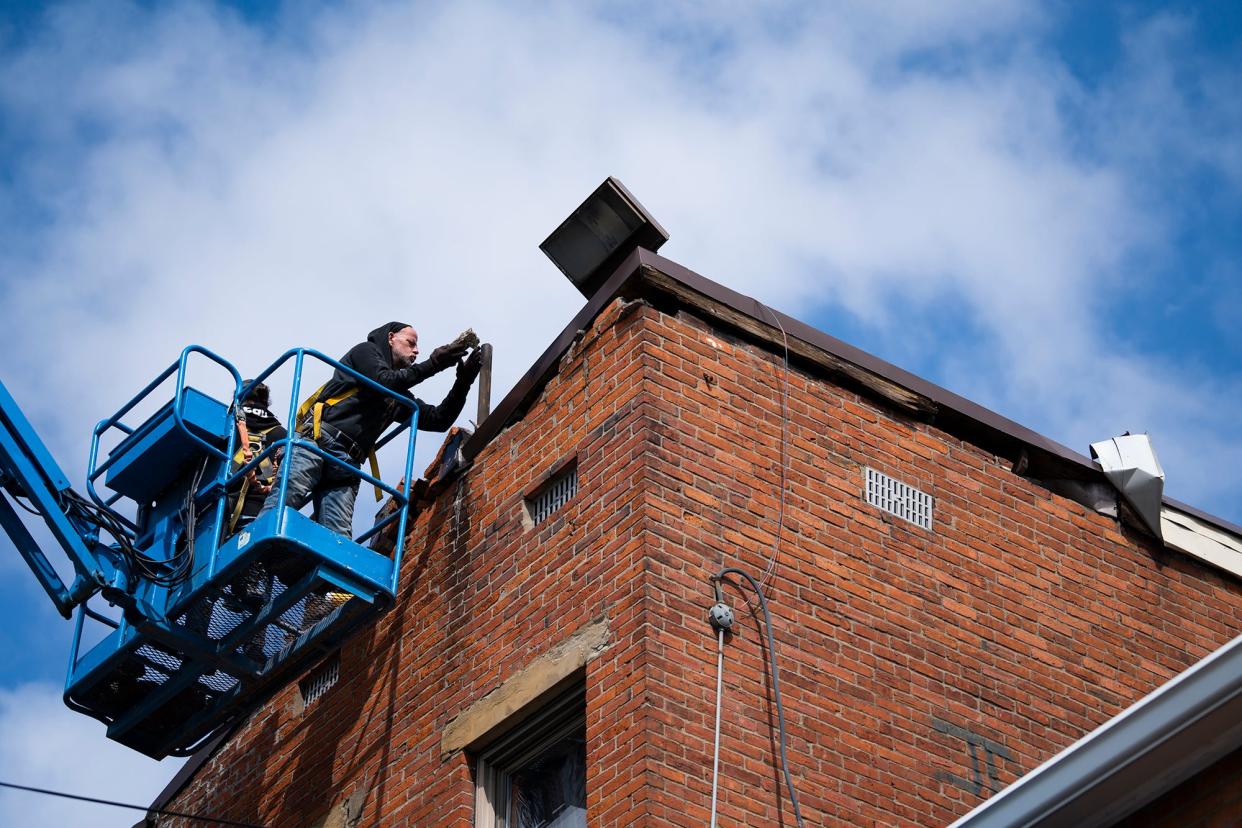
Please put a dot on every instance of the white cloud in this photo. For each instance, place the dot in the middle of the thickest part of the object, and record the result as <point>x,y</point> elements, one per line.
<point>44,745</point>
<point>197,178</point>
<point>335,169</point>
<point>404,162</point>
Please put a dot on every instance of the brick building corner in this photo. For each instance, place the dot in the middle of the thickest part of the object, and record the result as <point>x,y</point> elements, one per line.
<point>922,670</point>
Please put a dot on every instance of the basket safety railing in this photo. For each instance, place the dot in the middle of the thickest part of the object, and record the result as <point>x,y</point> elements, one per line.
<point>225,481</point>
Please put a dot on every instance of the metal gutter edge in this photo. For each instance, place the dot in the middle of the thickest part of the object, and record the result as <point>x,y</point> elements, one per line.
<point>1182,727</point>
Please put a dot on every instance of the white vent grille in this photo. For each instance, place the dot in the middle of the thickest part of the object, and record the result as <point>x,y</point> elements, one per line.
<point>896,498</point>
<point>553,495</point>
<point>320,681</point>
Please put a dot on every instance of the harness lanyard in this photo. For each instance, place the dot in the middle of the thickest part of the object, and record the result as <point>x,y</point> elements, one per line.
<point>240,459</point>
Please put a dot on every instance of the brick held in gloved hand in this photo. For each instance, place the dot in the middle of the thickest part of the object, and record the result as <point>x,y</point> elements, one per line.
<point>446,355</point>
<point>465,340</point>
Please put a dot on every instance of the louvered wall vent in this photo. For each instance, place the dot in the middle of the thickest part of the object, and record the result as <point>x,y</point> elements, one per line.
<point>553,495</point>
<point>896,498</point>
<point>320,681</point>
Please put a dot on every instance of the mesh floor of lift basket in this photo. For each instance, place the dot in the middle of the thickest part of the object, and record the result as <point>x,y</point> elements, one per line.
<point>264,624</point>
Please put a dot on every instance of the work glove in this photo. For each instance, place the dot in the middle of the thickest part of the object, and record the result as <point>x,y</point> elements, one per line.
<point>469,367</point>
<point>446,355</point>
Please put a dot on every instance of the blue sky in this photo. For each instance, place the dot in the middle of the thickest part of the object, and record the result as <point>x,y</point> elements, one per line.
<point>1032,204</point>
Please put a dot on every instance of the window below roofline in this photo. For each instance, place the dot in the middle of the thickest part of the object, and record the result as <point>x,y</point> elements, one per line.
<point>535,773</point>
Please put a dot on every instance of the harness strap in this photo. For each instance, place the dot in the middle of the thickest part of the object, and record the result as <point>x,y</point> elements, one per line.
<point>375,472</point>
<point>315,406</point>
<point>241,502</point>
<point>304,410</point>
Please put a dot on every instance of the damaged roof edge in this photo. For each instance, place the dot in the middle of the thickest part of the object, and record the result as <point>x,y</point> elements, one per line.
<point>951,412</point>
<point>1219,523</point>
<point>531,383</point>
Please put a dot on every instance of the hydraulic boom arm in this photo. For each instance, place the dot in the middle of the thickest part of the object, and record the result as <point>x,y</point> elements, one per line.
<point>30,479</point>
<point>214,617</point>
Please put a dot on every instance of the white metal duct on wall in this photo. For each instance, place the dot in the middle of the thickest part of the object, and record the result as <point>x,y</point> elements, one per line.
<point>1129,462</point>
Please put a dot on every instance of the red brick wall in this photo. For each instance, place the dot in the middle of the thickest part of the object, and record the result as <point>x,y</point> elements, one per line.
<point>1020,622</point>
<point>481,596</point>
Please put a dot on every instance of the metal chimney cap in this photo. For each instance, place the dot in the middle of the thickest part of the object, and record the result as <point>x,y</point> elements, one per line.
<point>597,236</point>
<point>1130,464</point>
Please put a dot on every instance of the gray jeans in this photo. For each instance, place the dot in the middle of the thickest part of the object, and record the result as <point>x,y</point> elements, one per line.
<point>314,479</point>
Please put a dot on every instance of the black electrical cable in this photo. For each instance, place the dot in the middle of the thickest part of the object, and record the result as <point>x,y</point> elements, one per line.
<point>78,507</point>
<point>164,573</point>
<point>776,680</point>
<point>780,523</point>
<point>184,555</point>
<point>81,510</point>
<point>143,808</point>
<point>90,516</point>
<point>31,509</point>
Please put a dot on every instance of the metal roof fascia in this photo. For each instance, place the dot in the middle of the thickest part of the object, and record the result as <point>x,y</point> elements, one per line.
<point>947,400</point>
<point>813,336</point>
<point>1132,758</point>
<point>1201,540</point>
<point>952,406</point>
<point>1219,523</point>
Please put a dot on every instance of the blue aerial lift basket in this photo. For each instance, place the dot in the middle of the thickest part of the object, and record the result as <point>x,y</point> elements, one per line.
<point>212,624</point>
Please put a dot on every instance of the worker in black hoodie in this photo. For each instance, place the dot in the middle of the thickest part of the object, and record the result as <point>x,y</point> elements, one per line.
<point>346,418</point>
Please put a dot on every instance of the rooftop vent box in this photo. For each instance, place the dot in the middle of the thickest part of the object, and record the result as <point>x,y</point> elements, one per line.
<point>596,238</point>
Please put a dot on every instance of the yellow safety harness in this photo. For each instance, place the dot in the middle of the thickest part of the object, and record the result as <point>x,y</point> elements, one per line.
<point>265,471</point>
<point>310,415</point>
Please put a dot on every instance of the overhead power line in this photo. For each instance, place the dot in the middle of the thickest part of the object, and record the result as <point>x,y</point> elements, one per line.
<point>143,808</point>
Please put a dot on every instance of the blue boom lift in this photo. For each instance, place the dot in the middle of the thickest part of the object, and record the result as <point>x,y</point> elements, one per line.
<point>210,625</point>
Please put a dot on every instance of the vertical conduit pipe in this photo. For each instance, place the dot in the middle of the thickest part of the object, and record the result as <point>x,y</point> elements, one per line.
<point>719,691</point>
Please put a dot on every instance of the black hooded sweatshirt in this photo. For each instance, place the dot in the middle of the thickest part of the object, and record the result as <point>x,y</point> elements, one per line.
<point>364,416</point>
